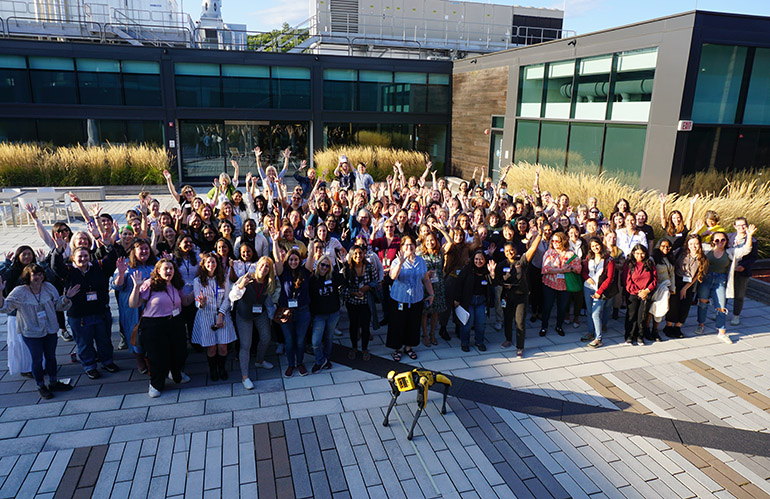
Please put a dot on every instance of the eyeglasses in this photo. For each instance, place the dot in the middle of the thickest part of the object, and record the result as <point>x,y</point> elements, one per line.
<point>323,265</point>
<point>719,240</point>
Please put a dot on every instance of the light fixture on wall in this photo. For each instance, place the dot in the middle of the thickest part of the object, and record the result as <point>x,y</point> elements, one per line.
<point>474,61</point>
<point>572,42</point>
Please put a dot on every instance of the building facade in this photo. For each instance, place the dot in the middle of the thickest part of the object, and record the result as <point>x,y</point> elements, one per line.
<point>620,101</point>
<point>211,106</point>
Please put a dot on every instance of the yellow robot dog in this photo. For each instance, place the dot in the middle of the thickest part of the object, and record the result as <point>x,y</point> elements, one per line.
<point>416,379</point>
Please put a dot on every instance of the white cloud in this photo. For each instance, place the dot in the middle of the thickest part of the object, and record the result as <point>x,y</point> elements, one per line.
<point>282,11</point>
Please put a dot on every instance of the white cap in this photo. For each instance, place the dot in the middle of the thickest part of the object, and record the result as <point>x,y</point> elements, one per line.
<point>343,158</point>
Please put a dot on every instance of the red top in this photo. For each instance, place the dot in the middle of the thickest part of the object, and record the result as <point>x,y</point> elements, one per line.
<point>639,278</point>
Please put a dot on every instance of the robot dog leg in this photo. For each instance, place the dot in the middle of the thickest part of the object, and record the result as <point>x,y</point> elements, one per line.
<point>420,380</point>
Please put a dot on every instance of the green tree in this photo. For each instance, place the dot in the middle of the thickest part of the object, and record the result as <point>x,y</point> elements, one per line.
<point>278,40</point>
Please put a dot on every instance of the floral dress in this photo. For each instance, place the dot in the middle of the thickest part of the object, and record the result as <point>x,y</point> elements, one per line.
<point>436,263</point>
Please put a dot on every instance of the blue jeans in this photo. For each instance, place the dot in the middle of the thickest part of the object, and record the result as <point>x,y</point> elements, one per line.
<point>323,328</point>
<point>89,330</point>
<point>39,349</point>
<point>714,286</point>
<point>478,319</point>
<point>551,296</point>
<point>294,332</point>
<point>595,308</point>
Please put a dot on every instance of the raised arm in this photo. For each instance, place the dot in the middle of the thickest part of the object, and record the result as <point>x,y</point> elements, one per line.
<point>135,300</point>
<point>170,185</point>
<point>237,169</point>
<point>663,221</point>
<point>530,254</point>
<point>44,235</point>
<point>83,210</point>
<point>310,261</point>
<point>691,210</point>
<point>286,156</point>
<point>277,254</point>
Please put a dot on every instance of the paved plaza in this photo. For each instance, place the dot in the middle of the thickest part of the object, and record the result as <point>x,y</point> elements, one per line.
<point>682,418</point>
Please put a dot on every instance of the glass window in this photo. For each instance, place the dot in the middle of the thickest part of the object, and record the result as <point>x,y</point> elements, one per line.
<point>240,71</point>
<point>100,88</point>
<point>498,121</point>
<point>593,86</point>
<point>375,90</point>
<point>558,85</point>
<point>140,67</point>
<point>13,62</point>
<point>340,89</point>
<point>246,92</point>
<point>634,75</point>
<point>14,85</point>
<point>18,130</point>
<point>288,73</point>
<point>623,152</point>
<point>290,93</point>
<point>52,63</point>
<point>719,83</point>
<point>98,65</point>
<point>439,98</point>
<point>400,77</point>
<point>198,91</point>
<point>757,111</point>
<point>145,132</point>
<point>585,147</point>
<point>553,144</point>
<point>438,79</point>
<point>141,89</point>
<point>61,132</point>
<point>192,68</point>
<point>531,90</point>
<point>525,149</point>
<point>202,148</point>
<point>431,139</point>
<point>53,87</point>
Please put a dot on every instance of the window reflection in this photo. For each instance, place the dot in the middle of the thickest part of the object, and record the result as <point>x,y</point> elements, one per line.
<point>635,71</point>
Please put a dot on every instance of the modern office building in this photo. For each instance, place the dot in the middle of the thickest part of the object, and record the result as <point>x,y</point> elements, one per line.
<point>650,103</point>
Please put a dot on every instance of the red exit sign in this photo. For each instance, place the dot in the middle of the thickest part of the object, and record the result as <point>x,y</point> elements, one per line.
<point>684,125</point>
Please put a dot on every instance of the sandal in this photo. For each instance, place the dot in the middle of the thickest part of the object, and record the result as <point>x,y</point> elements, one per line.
<point>433,340</point>
<point>366,355</point>
<point>426,341</point>
<point>411,353</point>
<point>397,355</point>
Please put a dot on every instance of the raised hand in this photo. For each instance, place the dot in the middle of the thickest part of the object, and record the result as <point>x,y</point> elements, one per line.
<point>694,199</point>
<point>492,248</point>
<point>287,153</point>
<point>698,226</point>
<point>40,254</point>
<point>491,265</point>
<point>398,165</point>
<point>136,278</point>
<point>122,265</point>
<point>74,197</point>
<point>32,210</point>
<point>751,230</point>
<point>302,164</point>
<point>257,152</point>
<point>233,163</point>
<point>662,197</point>
<point>167,174</point>
<point>58,240</point>
<point>428,165</point>
<point>71,292</point>
<point>95,210</point>
<point>9,256</point>
<point>201,298</point>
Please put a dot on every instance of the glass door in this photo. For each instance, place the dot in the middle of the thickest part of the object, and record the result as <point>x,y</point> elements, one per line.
<point>495,154</point>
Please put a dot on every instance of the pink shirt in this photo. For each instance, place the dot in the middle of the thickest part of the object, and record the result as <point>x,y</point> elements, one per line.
<point>160,303</point>
<point>552,260</point>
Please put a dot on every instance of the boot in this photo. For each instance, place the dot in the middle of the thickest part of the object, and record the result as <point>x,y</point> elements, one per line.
<point>221,360</point>
<point>213,373</point>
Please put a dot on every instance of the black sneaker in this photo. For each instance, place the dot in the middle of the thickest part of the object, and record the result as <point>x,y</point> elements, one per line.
<point>58,386</point>
<point>587,337</point>
<point>27,375</point>
<point>482,347</point>
<point>93,374</point>
<point>465,348</point>
<point>559,331</point>
<point>328,365</point>
<point>44,392</point>
<point>543,331</point>
<point>316,368</point>
<point>111,367</point>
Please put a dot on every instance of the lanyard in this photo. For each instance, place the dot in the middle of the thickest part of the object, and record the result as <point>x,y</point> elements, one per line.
<point>258,288</point>
<point>171,297</point>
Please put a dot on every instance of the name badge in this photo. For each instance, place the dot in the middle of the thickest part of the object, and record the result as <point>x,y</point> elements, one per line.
<point>42,316</point>
<point>503,303</point>
<point>560,276</point>
<point>91,296</point>
<point>175,312</point>
<point>434,278</point>
<point>484,283</point>
<point>457,271</point>
<point>295,247</point>
<point>687,279</point>
<point>401,306</point>
<point>256,309</point>
<point>293,303</point>
<point>506,270</point>
<point>328,282</point>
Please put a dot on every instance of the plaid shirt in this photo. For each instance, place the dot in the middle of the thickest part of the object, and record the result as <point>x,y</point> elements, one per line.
<point>356,282</point>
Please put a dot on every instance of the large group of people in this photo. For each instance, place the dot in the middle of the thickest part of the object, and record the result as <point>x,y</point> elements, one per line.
<point>237,268</point>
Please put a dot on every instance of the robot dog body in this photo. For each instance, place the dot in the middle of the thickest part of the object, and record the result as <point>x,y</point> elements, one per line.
<point>416,379</point>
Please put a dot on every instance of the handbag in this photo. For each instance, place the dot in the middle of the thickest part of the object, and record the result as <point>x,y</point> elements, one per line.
<point>283,315</point>
<point>573,281</point>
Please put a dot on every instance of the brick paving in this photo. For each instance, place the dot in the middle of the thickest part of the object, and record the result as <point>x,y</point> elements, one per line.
<point>322,435</point>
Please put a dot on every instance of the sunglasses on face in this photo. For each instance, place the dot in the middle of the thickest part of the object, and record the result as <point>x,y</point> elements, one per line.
<point>720,240</point>
<point>323,265</point>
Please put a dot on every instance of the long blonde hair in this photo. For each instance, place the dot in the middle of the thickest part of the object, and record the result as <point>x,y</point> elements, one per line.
<point>271,284</point>
<point>323,258</point>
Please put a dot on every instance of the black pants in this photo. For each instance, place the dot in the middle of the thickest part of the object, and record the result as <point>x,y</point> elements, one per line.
<point>635,315</point>
<point>678,309</point>
<point>165,345</point>
<point>535,280</point>
<point>404,325</point>
<point>515,309</point>
<point>450,291</point>
<point>359,316</point>
<point>40,349</point>
<point>188,318</point>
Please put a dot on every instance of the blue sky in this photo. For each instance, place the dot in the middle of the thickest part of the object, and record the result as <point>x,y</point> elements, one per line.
<point>582,16</point>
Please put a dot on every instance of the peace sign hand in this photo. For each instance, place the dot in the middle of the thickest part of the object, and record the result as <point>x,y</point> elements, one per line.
<point>201,298</point>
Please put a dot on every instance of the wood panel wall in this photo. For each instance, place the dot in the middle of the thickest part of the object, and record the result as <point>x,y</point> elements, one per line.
<point>476,96</point>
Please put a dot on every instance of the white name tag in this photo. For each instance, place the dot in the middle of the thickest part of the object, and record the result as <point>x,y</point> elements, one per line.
<point>503,303</point>
<point>401,306</point>
<point>175,312</point>
<point>295,247</point>
<point>42,316</point>
<point>256,309</point>
<point>293,303</point>
<point>483,283</point>
<point>457,271</point>
<point>687,279</point>
<point>328,282</point>
<point>91,296</point>
<point>506,269</point>
<point>434,278</point>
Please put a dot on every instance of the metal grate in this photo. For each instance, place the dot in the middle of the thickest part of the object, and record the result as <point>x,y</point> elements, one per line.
<point>344,16</point>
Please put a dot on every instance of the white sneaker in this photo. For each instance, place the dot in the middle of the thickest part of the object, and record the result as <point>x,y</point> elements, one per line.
<point>184,378</point>
<point>337,332</point>
<point>153,392</point>
<point>279,349</point>
<point>247,384</point>
<point>736,320</point>
<point>725,338</point>
<point>264,365</point>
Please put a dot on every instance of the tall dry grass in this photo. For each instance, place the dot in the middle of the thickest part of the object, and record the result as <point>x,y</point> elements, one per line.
<point>750,199</point>
<point>35,165</point>
<point>379,160</point>
<point>713,180</point>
